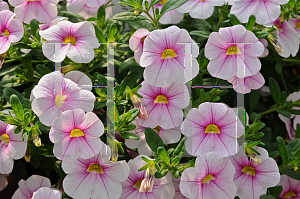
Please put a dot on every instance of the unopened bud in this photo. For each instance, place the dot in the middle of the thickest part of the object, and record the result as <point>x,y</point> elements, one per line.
<point>256,159</point>
<point>137,102</point>
<point>137,11</point>
<point>148,182</point>
<point>275,43</point>
<point>27,155</point>
<point>114,151</point>
<point>67,68</point>
<point>2,58</point>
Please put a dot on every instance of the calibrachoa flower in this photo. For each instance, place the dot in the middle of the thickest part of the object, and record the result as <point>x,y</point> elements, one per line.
<point>11,30</point>
<point>31,185</point>
<point>244,85</point>
<point>252,180</point>
<point>264,11</point>
<point>90,3</point>
<point>86,11</point>
<point>11,147</point>
<point>76,134</point>
<point>75,40</point>
<point>164,105</point>
<point>212,127</point>
<point>46,193</point>
<point>163,57</point>
<point>3,5</point>
<point>42,10</point>
<point>291,187</point>
<point>211,178</point>
<point>96,177</point>
<point>232,52</point>
<point>178,194</point>
<point>81,79</point>
<point>200,9</point>
<point>162,188</point>
<point>52,23</point>
<point>266,51</point>
<point>167,135</point>
<point>295,23</point>
<point>55,94</point>
<point>136,43</point>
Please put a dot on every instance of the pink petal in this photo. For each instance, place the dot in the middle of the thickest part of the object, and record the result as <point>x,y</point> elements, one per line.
<point>46,193</point>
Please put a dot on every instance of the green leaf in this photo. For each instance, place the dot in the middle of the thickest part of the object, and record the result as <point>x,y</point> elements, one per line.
<point>34,26</point>
<point>161,173</point>
<point>283,98</point>
<point>234,20</point>
<point>297,131</point>
<point>142,24</point>
<point>7,92</point>
<point>128,16</point>
<point>171,5</point>
<point>251,23</point>
<point>128,64</point>
<point>27,64</point>
<point>128,81</point>
<point>290,173</point>
<point>27,117</point>
<point>277,191</point>
<point>153,139</point>
<point>278,68</point>
<point>45,150</point>
<point>261,35</point>
<point>292,146</point>
<point>134,113</point>
<point>99,34</point>
<point>127,135</point>
<point>71,14</point>
<point>58,169</point>
<point>179,150</point>
<point>163,155</point>
<point>201,33</point>
<point>101,14</point>
<point>43,70</point>
<point>112,33</point>
<point>146,160</point>
<point>175,161</point>
<point>154,2</point>
<point>267,197</point>
<point>144,167</point>
<point>275,89</point>
<point>285,113</point>
<point>18,130</point>
<point>282,150</point>
<point>17,107</point>
<point>254,99</point>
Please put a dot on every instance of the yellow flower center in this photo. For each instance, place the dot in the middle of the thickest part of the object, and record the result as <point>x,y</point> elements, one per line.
<point>161,99</point>
<point>4,138</point>
<point>208,178</point>
<point>137,184</point>
<point>59,100</point>
<point>143,39</point>
<point>279,28</point>
<point>168,53</point>
<point>76,133</point>
<point>5,33</point>
<point>157,129</point>
<point>233,50</point>
<point>289,194</point>
<point>249,170</point>
<point>298,25</point>
<point>162,2</point>
<point>212,129</point>
<point>95,168</point>
<point>70,40</point>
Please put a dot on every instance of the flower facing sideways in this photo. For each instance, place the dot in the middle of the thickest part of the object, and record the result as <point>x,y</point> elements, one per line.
<point>46,193</point>
<point>291,187</point>
<point>86,11</point>
<point>136,43</point>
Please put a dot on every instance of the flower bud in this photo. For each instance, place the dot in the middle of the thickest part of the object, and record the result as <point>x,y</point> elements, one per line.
<point>137,102</point>
<point>114,151</point>
<point>137,11</point>
<point>2,58</point>
<point>275,43</point>
<point>147,183</point>
<point>27,155</point>
<point>67,68</point>
<point>256,159</point>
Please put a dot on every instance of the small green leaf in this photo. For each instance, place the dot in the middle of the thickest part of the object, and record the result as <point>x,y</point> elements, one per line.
<point>290,173</point>
<point>175,161</point>
<point>161,173</point>
<point>134,113</point>
<point>17,107</point>
<point>267,197</point>
<point>154,2</point>
<point>27,117</point>
<point>179,150</point>
<point>251,22</point>
<point>283,98</point>
<point>163,155</point>
<point>127,135</point>
<point>153,139</point>
<point>282,150</point>
<point>34,26</point>
<point>18,130</point>
<point>297,131</point>
<point>275,89</point>
<point>27,64</point>
<point>99,34</point>
<point>234,20</point>
<point>101,14</point>
<point>43,70</point>
<point>261,35</point>
<point>144,167</point>
<point>171,5</point>
<point>278,68</point>
<point>130,127</point>
<point>7,92</point>
<point>285,113</point>
<point>146,160</point>
<point>128,16</point>
<point>112,33</point>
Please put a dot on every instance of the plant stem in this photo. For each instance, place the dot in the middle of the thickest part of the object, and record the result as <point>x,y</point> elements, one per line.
<point>218,25</point>
<point>284,84</point>
<point>291,60</point>
<point>86,69</point>
<point>153,20</point>
<point>269,111</point>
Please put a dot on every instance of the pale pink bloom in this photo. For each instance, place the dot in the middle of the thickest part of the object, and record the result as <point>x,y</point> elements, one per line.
<point>288,38</point>
<point>76,134</point>
<point>178,194</point>
<point>136,42</point>
<point>11,147</point>
<point>3,181</point>
<point>42,10</point>
<point>11,30</point>
<point>291,187</point>
<point>90,3</point>
<point>266,51</point>
<point>212,127</point>
<point>264,11</point>
<point>244,85</point>
<point>232,52</point>
<point>200,9</point>
<point>3,5</point>
<point>75,40</point>
<point>230,2</point>
<point>31,185</point>
<point>46,193</point>
<point>163,188</point>
<point>55,94</point>
<point>96,177</point>
<point>295,23</point>
<point>163,57</point>
<point>264,91</point>
<point>52,23</point>
<point>164,105</point>
<point>211,178</point>
<point>253,180</point>
<point>86,11</point>
<point>81,79</point>
<point>168,136</point>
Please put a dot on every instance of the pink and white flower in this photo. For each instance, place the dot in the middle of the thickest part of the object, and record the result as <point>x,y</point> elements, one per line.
<point>212,127</point>
<point>264,11</point>
<point>46,193</point>
<point>178,194</point>
<point>164,55</point>
<point>76,134</point>
<point>252,180</point>
<point>11,147</point>
<point>86,11</point>
<point>42,10</point>
<point>200,9</point>
<point>55,94</point>
<point>31,185</point>
<point>52,23</point>
<point>234,51</point>
<point>163,188</point>
<point>11,30</point>
<point>291,187</point>
<point>295,23</point>
<point>75,40</point>
<point>266,51</point>
<point>81,79</point>
<point>3,5</point>
<point>211,178</point>
<point>136,42</point>
<point>90,3</point>
<point>164,105</point>
<point>96,177</point>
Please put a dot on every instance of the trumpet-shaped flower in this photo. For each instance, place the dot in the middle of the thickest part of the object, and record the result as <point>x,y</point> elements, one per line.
<point>55,94</point>
<point>11,147</point>
<point>161,188</point>
<point>211,178</point>
<point>42,10</point>
<point>234,51</point>
<point>11,30</point>
<point>90,3</point>
<point>264,11</point>
<point>252,180</point>
<point>76,134</point>
<point>291,187</point>
<point>295,23</point>
<point>164,105</point>
<point>52,23</point>
<point>3,5</point>
<point>136,43</point>
<point>75,40</point>
<point>96,177</point>
<point>212,127</point>
<point>200,9</point>
<point>86,11</point>
<point>164,55</point>
<point>46,193</point>
<point>32,184</point>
